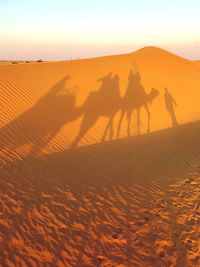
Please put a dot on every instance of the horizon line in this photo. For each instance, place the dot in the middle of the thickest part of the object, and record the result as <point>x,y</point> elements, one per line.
<point>100,56</point>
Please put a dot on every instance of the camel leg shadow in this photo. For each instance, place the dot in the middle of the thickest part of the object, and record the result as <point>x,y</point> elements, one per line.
<point>109,127</point>
<point>87,123</point>
<point>148,115</point>
<point>129,116</point>
<point>120,122</point>
<point>40,145</point>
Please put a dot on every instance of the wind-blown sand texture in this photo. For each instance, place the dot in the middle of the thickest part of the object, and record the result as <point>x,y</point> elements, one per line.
<point>99,162</point>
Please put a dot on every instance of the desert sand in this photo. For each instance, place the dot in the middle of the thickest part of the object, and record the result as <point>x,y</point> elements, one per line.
<point>99,161</point>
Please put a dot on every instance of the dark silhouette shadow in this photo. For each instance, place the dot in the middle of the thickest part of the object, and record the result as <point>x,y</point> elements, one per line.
<point>169,103</point>
<point>39,124</point>
<point>105,102</point>
<point>134,98</point>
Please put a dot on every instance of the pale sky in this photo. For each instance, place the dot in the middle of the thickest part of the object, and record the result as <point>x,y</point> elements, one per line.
<point>63,29</point>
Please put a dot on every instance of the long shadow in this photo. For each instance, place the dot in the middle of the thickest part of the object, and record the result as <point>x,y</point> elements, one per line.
<point>170,103</point>
<point>105,102</point>
<point>135,98</point>
<point>39,124</point>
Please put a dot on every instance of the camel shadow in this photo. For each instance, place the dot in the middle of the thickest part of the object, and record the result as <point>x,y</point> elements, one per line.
<point>40,124</point>
<point>105,102</point>
<point>135,98</point>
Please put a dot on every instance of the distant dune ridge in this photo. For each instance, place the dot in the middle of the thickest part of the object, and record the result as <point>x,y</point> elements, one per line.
<point>99,161</point>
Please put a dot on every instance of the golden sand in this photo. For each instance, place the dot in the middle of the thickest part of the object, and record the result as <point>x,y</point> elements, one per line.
<point>99,162</point>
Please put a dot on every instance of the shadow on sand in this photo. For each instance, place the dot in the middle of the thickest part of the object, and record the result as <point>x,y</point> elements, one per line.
<point>43,121</point>
<point>135,98</point>
<point>170,103</point>
<point>107,102</point>
<point>40,124</point>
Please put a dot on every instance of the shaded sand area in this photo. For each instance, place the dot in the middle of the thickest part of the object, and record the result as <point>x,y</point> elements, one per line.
<point>97,168</point>
<point>130,202</point>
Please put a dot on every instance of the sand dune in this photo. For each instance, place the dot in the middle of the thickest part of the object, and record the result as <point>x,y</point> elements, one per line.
<point>45,106</point>
<point>99,162</point>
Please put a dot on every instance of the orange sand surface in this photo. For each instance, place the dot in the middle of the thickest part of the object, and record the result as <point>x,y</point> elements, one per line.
<point>99,163</point>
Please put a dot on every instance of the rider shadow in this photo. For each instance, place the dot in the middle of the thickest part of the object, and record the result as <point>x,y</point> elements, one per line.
<point>135,97</point>
<point>105,102</point>
<point>169,104</point>
<point>40,124</point>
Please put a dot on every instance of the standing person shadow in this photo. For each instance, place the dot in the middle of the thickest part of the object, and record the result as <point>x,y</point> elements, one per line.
<point>39,124</point>
<point>105,102</point>
<point>169,103</point>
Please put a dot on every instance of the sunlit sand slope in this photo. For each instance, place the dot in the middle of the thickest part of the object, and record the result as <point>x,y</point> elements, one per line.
<point>48,107</point>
